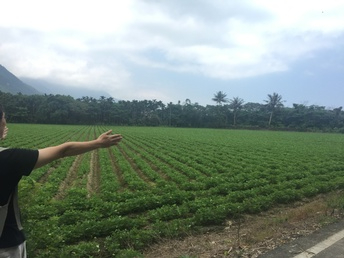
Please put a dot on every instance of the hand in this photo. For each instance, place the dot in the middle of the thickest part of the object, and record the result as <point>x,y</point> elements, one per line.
<point>108,139</point>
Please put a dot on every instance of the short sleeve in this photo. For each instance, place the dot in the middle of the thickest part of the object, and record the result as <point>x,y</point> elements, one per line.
<point>14,163</point>
<point>19,161</point>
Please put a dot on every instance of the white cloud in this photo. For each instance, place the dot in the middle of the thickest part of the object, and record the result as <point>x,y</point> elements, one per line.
<point>237,45</point>
<point>97,17</point>
<point>95,42</point>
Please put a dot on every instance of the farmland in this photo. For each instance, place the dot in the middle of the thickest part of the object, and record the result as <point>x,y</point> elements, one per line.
<point>163,183</point>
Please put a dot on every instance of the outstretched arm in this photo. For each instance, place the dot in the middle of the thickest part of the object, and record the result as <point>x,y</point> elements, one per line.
<point>66,149</point>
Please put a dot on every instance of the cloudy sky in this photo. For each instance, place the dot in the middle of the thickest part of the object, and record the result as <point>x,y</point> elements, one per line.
<point>173,50</point>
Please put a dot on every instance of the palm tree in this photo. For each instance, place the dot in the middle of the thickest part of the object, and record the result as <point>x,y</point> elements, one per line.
<point>187,102</point>
<point>274,101</point>
<point>236,105</point>
<point>220,97</point>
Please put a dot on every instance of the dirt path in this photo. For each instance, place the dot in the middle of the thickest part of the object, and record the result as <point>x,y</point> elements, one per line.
<point>135,167</point>
<point>151,164</point>
<point>46,175</point>
<point>93,178</point>
<point>117,171</point>
<point>70,178</point>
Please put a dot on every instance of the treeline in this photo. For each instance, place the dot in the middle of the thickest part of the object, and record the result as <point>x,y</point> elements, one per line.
<point>61,109</point>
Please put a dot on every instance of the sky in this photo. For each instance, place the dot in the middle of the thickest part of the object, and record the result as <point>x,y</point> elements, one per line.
<point>181,49</point>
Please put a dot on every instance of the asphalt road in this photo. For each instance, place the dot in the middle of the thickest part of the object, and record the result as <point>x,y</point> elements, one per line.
<point>327,242</point>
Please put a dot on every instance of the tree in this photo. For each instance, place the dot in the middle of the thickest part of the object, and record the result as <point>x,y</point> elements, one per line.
<point>63,109</point>
<point>274,101</point>
<point>187,102</point>
<point>220,97</point>
<point>337,111</point>
<point>236,104</point>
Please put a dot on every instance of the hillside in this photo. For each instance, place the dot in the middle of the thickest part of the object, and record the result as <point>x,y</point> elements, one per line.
<point>11,84</point>
<point>53,88</point>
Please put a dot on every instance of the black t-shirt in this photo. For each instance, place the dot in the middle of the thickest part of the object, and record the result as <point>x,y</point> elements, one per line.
<point>14,163</point>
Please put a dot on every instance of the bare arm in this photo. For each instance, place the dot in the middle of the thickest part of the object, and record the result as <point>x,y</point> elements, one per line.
<point>66,149</point>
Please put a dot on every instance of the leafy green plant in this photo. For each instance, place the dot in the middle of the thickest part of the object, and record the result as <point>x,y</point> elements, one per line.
<point>165,182</point>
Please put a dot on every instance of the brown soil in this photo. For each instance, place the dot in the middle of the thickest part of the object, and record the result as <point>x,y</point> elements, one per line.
<point>117,170</point>
<point>134,166</point>
<point>46,175</point>
<point>151,164</point>
<point>252,235</point>
<point>70,179</point>
<point>93,178</point>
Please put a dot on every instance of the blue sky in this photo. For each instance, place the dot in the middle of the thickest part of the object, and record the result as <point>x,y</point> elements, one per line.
<point>181,49</point>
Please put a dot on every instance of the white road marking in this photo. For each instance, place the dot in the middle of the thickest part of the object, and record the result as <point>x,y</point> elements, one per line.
<point>321,246</point>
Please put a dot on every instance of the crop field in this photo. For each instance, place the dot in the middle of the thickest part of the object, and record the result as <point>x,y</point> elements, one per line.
<point>163,183</point>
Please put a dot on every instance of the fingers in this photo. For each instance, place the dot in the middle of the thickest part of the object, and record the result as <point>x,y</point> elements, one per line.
<point>108,132</point>
<point>117,137</point>
<point>110,139</point>
<point>112,135</point>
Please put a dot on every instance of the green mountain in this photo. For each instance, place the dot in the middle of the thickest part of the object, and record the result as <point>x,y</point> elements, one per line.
<point>11,84</point>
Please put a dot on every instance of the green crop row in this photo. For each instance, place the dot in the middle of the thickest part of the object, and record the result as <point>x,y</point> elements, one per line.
<point>164,182</point>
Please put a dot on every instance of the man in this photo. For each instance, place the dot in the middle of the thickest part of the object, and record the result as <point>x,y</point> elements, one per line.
<point>15,163</point>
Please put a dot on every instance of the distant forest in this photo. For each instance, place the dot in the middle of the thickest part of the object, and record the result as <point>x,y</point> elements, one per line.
<point>225,113</point>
